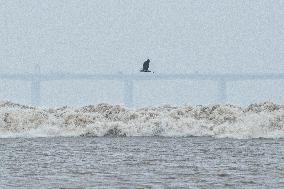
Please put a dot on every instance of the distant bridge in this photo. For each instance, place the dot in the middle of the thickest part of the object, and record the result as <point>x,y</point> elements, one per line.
<point>129,79</point>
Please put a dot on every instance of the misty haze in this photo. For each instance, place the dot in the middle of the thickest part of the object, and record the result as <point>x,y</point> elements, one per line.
<point>141,94</point>
<point>110,37</point>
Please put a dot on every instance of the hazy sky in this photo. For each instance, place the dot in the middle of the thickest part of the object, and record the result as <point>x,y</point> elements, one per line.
<point>109,36</point>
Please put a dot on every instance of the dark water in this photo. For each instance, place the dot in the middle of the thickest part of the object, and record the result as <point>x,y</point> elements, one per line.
<point>141,162</point>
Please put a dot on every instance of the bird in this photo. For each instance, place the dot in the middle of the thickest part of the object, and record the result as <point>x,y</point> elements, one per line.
<point>146,66</point>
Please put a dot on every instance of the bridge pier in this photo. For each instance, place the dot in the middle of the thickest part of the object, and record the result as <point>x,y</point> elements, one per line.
<point>128,93</point>
<point>35,87</point>
<point>35,92</point>
<point>222,91</point>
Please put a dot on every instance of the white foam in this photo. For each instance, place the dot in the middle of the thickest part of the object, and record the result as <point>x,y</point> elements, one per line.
<point>264,120</point>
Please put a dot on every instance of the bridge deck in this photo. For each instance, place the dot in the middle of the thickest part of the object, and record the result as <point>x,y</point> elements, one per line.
<point>147,76</point>
<point>128,79</point>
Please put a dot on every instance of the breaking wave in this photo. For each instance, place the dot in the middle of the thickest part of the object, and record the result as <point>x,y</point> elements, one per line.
<point>265,120</point>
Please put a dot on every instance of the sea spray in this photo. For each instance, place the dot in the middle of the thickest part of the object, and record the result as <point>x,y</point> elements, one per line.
<point>263,120</point>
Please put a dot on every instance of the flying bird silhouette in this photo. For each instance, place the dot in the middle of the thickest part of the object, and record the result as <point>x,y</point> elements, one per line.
<point>146,66</point>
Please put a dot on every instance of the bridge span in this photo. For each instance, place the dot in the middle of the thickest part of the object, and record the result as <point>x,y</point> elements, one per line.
<point>128,80</point>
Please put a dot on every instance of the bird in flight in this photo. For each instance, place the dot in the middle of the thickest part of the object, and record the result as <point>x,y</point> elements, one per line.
<point>146,66</point>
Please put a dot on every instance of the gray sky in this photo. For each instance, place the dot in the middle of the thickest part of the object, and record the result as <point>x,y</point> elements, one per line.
<point>108,36</point>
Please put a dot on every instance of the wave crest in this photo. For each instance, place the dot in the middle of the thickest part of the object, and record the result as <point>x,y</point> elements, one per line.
<point>265,120</point>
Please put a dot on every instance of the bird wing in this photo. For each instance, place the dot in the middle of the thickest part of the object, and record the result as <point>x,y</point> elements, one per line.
<point>146,66</point>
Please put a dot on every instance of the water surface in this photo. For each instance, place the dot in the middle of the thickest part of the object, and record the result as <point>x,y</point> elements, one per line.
<point>153,162</point>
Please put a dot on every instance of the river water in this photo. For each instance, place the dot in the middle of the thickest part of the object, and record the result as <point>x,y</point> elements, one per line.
<point>141,162</point>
